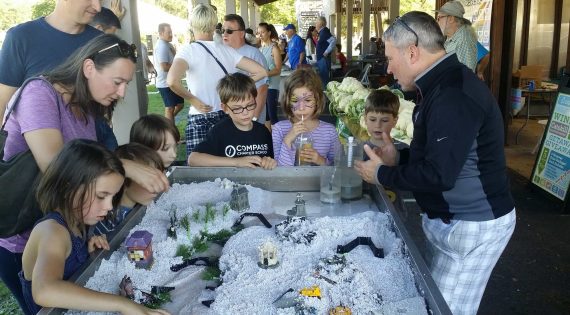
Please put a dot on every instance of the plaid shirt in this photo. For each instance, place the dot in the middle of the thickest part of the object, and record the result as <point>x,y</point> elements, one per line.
<point>464,44</point>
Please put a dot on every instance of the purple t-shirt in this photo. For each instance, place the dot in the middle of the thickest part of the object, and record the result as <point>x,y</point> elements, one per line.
<point>325,142</point>
<point>40,107</point>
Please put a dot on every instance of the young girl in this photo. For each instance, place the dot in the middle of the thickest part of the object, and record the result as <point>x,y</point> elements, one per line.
<point>158,133</point>
<point>77,189</point>
<point>133,193</point>
<point>303,102</point>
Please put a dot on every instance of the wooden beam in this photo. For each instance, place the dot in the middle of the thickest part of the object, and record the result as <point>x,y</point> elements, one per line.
<point>349,4</point>
<point>230,6</point>
<point>556,38</point>
<point>244,11</point>
<point>525,33</point>
<point>365,27</point>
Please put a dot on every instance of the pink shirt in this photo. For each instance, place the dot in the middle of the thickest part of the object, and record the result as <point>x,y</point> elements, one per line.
<point>40,107</point>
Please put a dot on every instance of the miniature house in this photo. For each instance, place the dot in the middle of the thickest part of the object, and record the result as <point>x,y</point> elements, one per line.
<point>268,255</point>
<point>239,198</point>
<point>139,247</point>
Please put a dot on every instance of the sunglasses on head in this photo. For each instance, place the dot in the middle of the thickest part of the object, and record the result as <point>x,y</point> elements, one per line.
<point>124,49</point>
<point>229,31</point>
<point>407,27</point>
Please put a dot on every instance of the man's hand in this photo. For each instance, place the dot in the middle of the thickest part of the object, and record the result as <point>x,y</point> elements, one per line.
<point>118,9</point>
<point>387,153</point>
<point>367,170</point>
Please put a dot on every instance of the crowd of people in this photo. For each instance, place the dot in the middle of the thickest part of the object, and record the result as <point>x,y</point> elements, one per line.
<point>59,106</point>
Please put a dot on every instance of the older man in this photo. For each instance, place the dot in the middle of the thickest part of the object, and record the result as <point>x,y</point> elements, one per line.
<point>325,45</point>
<point>234,36</point>
<point>461,37</point>
<point>455,165</point>
<point>295,47</point>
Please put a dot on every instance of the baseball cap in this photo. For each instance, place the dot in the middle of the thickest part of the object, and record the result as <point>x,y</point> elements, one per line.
<point>289,27</point>
<point>453,8</point>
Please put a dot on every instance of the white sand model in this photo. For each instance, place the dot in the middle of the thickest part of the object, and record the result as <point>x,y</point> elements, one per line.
<point>307,257</point>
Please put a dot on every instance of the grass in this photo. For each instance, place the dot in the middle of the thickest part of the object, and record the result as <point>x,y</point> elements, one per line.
<point>8,305</point>
<point>156,106</point>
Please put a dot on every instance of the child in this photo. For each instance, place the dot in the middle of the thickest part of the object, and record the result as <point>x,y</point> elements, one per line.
<point>380,115</point>
<point>133,193</point>
<point>158,133</point>
<point>303,102</point>
<point>76,190</point>
<point>238,140</point>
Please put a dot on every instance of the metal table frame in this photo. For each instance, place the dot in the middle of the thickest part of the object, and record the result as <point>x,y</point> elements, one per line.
<point>281,179</point>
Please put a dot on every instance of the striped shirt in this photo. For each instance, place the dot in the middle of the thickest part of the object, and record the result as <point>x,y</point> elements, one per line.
<point>325,142</point>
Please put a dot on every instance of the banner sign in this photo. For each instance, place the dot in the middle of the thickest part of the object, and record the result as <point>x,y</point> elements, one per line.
<point>479,13</point>
<point>552,168</point>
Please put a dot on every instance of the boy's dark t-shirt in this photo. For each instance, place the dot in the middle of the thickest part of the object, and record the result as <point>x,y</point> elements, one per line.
<point>226,140</point>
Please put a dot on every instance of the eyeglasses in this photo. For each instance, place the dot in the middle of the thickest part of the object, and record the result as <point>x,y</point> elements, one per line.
<point>303,101</point>
<point>407,27</point>
<point>125,50</point>
<point>229,31</point>
<point>439,17</point>
<point>239,110</point>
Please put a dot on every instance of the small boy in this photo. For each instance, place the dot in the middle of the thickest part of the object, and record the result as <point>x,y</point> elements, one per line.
<point>133,193</point>
<point>381,114</point>
<point>238,140</point>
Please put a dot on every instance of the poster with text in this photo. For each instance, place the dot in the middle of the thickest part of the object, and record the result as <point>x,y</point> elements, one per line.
<point>552,171</point>
<point>479,13</point>
<point>307,13</point>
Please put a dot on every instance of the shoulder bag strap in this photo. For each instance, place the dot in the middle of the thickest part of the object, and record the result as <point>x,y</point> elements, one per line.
<point>219,63</point>
<point>19,94</point>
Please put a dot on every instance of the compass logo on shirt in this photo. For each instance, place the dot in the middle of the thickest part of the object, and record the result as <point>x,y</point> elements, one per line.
<point>230,151</point>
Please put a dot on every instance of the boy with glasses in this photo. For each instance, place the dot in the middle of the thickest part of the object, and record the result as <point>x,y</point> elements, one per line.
<point>238,140</point>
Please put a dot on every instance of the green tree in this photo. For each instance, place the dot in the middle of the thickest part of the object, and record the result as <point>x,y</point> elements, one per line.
<point>42,8</point>
<point>12,13</point>
<point>417,5</point>
<point>278,12</point>
<point>174,7</point>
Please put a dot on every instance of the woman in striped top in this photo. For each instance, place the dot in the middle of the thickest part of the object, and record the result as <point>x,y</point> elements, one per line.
<point>303,102</point>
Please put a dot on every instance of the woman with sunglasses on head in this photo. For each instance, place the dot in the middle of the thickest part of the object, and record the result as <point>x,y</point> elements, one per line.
<point>205,62</point>
<point>62,105</point>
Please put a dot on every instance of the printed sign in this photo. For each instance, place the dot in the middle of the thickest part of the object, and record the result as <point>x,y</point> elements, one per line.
<point>307,12</point>
<point>552,171</point>
<point>479,13</point>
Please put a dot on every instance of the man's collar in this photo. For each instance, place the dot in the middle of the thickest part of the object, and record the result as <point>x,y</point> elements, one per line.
<point>430,76</point>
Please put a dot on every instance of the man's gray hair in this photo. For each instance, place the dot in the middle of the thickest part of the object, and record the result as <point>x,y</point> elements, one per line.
<point>203,19</point>
<point>323,20</point>
<point>428,33</point>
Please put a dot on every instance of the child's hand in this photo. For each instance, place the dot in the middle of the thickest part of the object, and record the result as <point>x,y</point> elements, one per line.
<point>268,163</point>
<point>251,161</point>
<point>312,156</point>
<point>98,242</point>
<point>296,129</point>
<point>137,309</point>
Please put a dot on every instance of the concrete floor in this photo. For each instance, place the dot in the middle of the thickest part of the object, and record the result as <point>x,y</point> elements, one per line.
<point>533,274</point>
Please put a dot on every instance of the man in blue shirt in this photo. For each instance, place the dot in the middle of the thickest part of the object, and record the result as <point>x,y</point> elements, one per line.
<point>295,47</point>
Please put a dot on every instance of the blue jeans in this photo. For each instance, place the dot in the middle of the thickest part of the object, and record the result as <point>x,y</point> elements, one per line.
<point>10,265</point>
<point>272,104</point>
<point>324,66</point>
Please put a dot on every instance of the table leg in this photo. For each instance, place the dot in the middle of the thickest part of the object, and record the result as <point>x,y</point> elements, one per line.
<point>525,122</point>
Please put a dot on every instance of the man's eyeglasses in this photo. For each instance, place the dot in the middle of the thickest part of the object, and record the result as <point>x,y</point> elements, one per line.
<point>229,31</point>
<point>439,17</point>
<point>407,27</point>
<point>125,50</point>
<point>239,110</point>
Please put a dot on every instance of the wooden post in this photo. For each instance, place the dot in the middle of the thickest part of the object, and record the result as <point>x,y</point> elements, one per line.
<point>244,11</point>
<point>230,6</point>
<point>349,14</point>
<point>365,27</point>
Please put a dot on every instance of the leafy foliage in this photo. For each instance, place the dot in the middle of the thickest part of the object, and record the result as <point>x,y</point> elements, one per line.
<point>184,251</point>
<point>42,8</point>
<point>278,12</point>
<point>174,7</point>
<point>211,273</point>
<point>199,244</point>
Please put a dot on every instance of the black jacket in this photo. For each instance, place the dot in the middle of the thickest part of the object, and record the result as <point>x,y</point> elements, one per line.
<point>456,165</point>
